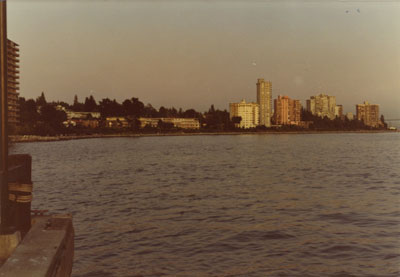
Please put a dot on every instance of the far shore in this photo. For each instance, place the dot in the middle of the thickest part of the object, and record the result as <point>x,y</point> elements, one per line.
<point>34,138</point>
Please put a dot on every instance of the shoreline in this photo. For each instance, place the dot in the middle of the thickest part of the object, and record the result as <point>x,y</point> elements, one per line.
<point>35,138</point>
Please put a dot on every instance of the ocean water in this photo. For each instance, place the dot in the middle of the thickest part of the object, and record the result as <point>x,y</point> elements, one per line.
<point>242,205</point>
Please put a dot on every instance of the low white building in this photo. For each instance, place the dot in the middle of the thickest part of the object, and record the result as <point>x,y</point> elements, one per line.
<point>82,115</point>
<point>78,115</point>
<point>179,122</point>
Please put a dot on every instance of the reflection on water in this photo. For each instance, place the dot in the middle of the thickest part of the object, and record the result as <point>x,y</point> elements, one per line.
<point>250,205</point>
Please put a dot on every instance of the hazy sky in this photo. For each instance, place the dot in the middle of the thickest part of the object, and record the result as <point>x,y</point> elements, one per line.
<point>192,54</point>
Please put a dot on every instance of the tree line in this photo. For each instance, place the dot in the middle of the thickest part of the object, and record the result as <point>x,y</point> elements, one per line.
<point>40,117</point>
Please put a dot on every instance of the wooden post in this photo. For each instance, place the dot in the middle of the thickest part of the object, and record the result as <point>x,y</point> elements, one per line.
<point>5,226</point>
<point>20,191</point>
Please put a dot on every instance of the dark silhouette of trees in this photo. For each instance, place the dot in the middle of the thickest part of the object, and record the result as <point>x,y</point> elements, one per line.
<point>90,104</point>
<point>173,112</point>
<point>326,124</point>
<point>385,125</point>
<point>190,113</point>
<point>306,115</point>
<point>52,116</point>
<point>41,100</point>
<point>170,112</point>
<point>28,111</point>
<point>28,115</point>
<point>149,111</point>
<point>162,112</point>
<point>133,107</point>
<point>218,120</point>
<point>77,106</point>
<point>165,126</point>
<point>50,121</point>
<point>110,108</point>
<point>212,109</point>
<point>42,118</point>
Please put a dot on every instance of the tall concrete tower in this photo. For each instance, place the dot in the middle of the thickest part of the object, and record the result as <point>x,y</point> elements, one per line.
<point>264,99</point>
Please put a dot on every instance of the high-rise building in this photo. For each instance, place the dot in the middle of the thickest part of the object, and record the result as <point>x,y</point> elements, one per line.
<point>248,112</point>
<point>368,113</point>
<point>264,100</point>
<point>322,105</point>
<point>12,82</point>
<point>287,111</point>
<point>349,116</point>
<point>339,111</point>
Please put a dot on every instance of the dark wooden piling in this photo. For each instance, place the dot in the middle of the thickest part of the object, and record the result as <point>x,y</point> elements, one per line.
<point>20,191</point>
<point>5,227</point>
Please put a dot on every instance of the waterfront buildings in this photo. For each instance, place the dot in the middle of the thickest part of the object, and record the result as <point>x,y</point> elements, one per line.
<point>117,122</point>
<point>287,111</point>
<point>178,122</point>
<point>322,105</point>
<point>248,112</point>
<point>82,115</point>
<point>12,82</point>
<point>349,116</point>
<point>339,111</point>
<point>80,119</point>
<point>368,113</point>
<point>83,123</point>
<point>264,100</point>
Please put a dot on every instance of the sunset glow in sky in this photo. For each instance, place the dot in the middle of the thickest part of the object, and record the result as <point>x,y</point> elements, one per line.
<point>192,54</point>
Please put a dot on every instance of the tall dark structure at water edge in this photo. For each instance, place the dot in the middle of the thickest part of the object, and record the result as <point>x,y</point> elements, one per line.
<point>5,224</point>
<point>47,247</point>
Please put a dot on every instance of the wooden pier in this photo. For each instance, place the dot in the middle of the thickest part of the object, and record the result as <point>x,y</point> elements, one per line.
<point>47,250</point>
<point>35,245</point>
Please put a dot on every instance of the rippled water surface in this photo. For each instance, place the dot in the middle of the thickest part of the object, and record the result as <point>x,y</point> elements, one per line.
<point>246,205</point>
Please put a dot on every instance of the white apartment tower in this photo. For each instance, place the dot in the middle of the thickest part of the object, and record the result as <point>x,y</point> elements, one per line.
<point>264,100</point>
<point>248,112</point>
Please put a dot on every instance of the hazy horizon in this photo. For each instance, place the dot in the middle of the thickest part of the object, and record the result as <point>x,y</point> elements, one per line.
<point>197,53</point>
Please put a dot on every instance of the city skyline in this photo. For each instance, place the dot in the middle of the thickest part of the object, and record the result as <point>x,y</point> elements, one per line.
<point>120,49</point>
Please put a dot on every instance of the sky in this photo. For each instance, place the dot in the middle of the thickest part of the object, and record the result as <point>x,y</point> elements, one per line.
<point>192,54</point>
